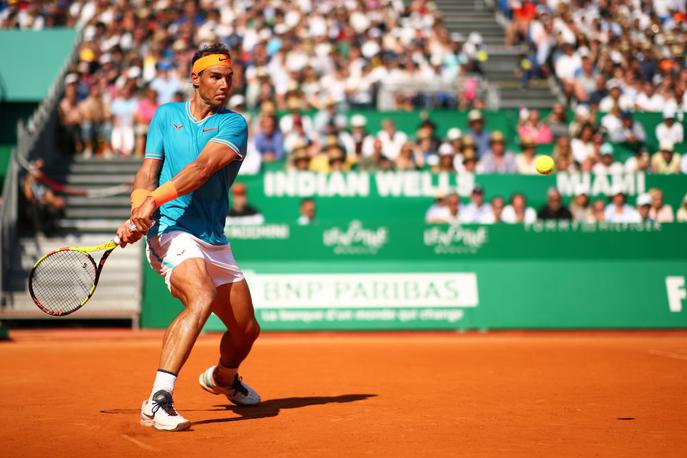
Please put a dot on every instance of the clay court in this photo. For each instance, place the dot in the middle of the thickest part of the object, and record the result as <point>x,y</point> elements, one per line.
<point>78,393</point>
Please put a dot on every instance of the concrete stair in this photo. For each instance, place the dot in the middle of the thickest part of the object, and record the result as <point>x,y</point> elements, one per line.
<point>466,16</point>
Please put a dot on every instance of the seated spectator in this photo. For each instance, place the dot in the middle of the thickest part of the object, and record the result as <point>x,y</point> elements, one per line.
<point>268,139</point>
<point>598,213</point>
<point>288,122</point>
<point>374,161</point>
<point>524,161</point>
<point>438,208</point>
<point>497,159</point>
<point>143,117</point>
<point>454,137</point>
<point>494,216</point>
<point>307,211</point>
<point>479,134</point>
<point>666,161</point>
<point>518,211</point>
<point>445,213</point>
<point>583,145</point>
<point>579,208</point>
<point>606,164</point>
<point>96,127</point>
<point>469,160</point>
<point>612,123</point>
<point>585,80</point>
<point>523,14</point>
<point>296,135</point>
<point>669,130</point>
<point>300,159</point>
<point>682,211</point>
<point>640,162</point>
<point>558,121</point>
<point>446,159</point>
<point>124,108</point>
<point>660,211</point>
<point>70,117</point>
<point>362,140</point>
<point>648,100</point>
<point>631,133</point>
<point>166,84</point>
<point>44,206</point>
<point>476,211</point>
<point>337,159</point>
<point>554,208</point>
<point>618,211</point>
<point>426,146</point>
<point>409,158</point>
<point>241,213</point>
<point>566,65</point>
<point>321,160</point>
<point>644,208</point>
<point>391,138</point>
<point>531,126</point>
<point>615,97</point>
<point>562,155</point>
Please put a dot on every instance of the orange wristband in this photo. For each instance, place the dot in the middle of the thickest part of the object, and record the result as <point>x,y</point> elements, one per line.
<point>165,193</point>
<point>138,197</point>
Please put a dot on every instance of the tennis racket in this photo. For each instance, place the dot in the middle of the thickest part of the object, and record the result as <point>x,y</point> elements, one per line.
<point>62,281</point>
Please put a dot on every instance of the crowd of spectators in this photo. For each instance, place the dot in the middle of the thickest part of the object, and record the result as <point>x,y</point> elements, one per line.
<point>605,52</point>
<point>648,207</point>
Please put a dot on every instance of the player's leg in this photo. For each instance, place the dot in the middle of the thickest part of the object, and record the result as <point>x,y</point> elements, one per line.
<point>190,283</point>
<point>234,307</point>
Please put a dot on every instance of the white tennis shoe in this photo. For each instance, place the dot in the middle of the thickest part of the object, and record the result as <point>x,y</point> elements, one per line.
<point>159,413</point>
<point>239,393</point>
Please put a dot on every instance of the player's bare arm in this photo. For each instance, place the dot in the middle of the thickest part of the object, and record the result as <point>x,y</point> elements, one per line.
<point>146,178</point>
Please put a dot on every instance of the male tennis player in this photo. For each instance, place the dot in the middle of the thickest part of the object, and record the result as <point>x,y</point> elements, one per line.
<point>193,153</point>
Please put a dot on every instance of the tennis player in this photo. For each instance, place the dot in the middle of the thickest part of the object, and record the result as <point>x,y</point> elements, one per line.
<point>180,199</point>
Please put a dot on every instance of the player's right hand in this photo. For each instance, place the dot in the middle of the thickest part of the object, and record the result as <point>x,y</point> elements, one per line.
<point>128,233</point>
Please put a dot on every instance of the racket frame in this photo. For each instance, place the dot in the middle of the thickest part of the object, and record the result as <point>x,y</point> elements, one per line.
<point>108,246</point>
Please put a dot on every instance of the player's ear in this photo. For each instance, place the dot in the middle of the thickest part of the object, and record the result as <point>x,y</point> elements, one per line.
<point>195,80</point>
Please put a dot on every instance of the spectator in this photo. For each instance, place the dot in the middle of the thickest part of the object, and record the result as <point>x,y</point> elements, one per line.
<point>579,208</point>
<point>143,117</point>
<point>523,13</point>
<point>476,130</point>
<point>426,147</point>
<point>583,146</point>
<point>518,211</point>
<point>615,97</point>
<point>669,130</point>
<point>631,133</point>
<point>96,127</point>
<point>476,211</point>
<point>166,83</point>
<point>666,161</point>
<point>599,211</point>
<point>241,213</point>
<point>607,165</point>
<point>682,211</point>
<point>585,80</point>
<point>329,118</point>
<point>554,208</point>
<point>447,213</point>
<point>660,211</point>
<point>410,159</point>
<point>618,211</point>
<point>362,140</point>
<point>391,138</point>
<point>562,155</point>
<point>301,159</point>
<point>497,159</point>
<point>648,99</point>
<point>124,108</point>
<point>307,212</point>
<point>268,139</point>
<point>374,161</point>
<point>640,162</point>
<point>44,206</point>
<point>524,161</point>
<point>558,121</point>
<point>437,210</point>
<point>337,159</point>
<point>531,126</point>
<point>70,117</point>
<point>566,65</point>
<point>296,134</point>
<point>454,137</point>
<point>469,159</point>
<point>494,216</point>
<point>644,208</point>
<point>294,118</point>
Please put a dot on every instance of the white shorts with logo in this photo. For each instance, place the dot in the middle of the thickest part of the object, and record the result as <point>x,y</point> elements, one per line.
<point>170,249</point>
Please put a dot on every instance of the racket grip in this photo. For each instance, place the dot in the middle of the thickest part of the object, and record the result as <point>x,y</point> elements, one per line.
<point>116,240</point>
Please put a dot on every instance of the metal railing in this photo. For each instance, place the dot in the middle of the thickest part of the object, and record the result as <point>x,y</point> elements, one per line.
<point>35,138</point>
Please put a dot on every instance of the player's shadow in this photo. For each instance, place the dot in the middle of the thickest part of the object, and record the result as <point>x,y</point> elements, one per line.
<point>272,407</point>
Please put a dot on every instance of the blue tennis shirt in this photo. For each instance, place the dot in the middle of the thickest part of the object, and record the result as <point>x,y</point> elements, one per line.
<point>176,138</point>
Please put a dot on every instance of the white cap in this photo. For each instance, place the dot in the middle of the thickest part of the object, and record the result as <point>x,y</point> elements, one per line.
<point>71,78</point>
<point>666,145</point>
<point>582,110</point>
<point>445,150</point>
<point>236,100</point>
<point>669,112</point>
<point>133,72</point>
<point>643,199</point>
<point>454,133</point>
<point>358,120</point>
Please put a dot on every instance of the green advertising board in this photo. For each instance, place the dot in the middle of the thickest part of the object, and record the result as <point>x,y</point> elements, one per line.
<point>363,275</point>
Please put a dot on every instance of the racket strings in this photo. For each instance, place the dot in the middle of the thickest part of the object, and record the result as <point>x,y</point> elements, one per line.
<point>63,281</point>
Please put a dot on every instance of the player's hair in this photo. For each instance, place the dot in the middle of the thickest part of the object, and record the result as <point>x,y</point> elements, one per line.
<point>215,48</point>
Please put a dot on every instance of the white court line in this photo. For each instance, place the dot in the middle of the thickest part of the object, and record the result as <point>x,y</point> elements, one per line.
<point>668,354</point>
<point>139,443</point>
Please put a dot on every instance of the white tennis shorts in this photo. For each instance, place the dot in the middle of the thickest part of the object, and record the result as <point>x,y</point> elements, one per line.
<point>170,249</point>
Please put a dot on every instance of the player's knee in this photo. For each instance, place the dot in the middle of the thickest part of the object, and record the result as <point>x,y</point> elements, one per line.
<point>251,331</point>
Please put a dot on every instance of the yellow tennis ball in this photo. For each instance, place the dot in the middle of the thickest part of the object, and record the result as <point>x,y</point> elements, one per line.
<point>544,165</point>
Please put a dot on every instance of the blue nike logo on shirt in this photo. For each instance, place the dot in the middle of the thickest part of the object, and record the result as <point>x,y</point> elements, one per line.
<point>210,129</point>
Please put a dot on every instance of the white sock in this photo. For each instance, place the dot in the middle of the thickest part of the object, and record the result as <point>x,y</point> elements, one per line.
<point>163,381</point>
<point>226,373</point>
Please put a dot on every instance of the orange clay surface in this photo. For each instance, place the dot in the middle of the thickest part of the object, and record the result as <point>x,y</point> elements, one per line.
<point>78,394</point>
